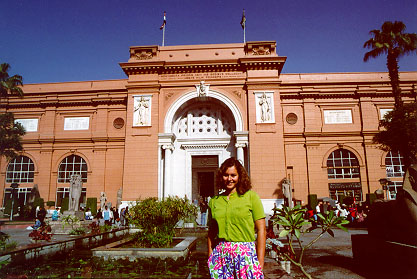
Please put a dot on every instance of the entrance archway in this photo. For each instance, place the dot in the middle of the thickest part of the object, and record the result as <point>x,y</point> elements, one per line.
<point>198,128</point>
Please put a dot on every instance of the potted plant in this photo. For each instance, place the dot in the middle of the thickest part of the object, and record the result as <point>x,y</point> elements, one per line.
<point>294,224</point>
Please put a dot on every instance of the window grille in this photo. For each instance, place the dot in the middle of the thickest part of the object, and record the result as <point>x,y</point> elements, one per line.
<point>72,164</point>
<point>20,170</point>
<point>63,192</point>
<point>394,165</point>
<point>204,121</point>
<point>21,197</point>
<point>342,164</point>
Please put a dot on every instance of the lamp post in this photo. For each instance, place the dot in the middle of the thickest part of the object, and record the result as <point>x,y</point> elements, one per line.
<point>14,190</point>
<point>384,183</point>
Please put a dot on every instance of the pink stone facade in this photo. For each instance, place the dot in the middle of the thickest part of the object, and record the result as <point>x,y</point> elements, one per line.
<point>162,147</point>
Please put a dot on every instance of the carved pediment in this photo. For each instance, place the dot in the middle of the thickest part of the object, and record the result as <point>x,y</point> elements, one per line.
<point>260,48</point>
<point>143,53</point>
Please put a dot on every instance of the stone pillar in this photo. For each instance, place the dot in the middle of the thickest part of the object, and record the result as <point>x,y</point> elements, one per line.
<point>166,143</point>
<point>242,140</point>
<point>240,154</point>
<point>168,148</point>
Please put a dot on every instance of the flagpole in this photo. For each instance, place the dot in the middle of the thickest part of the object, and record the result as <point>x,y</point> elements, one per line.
<point>163,28</point>
<point>163,36</point>
<point>243,24</point>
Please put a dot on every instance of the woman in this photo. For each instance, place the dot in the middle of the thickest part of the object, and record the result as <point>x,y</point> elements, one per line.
<point>233,217</point>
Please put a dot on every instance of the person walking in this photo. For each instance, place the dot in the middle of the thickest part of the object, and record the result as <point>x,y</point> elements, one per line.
<point>233,217</point>
<point>203,209</point>
<point>107,216</point>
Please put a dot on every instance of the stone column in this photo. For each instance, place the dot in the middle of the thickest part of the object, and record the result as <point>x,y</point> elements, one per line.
<point>242,140</point>
<point>166,143</point>
<point>168,148</point>
<point>240,154</point>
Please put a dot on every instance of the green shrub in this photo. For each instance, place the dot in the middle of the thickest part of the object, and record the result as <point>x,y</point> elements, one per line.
<point>370,198</point>
<point>6,244</point>
<point>38,202</point>
<point>157,219</point>
<point>64,205</point>
<point>92,205</point>
<point>312,201</point>
<point>50,203</point>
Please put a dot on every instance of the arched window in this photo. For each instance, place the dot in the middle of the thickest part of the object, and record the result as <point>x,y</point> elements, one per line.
<point>71,165</point>
<point>342,164</point>
<point>394,164</point>
<point>394,167</point>
<point>20,170</point>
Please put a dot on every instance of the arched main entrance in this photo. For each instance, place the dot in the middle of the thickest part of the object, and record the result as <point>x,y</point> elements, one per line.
<point>200,133</point>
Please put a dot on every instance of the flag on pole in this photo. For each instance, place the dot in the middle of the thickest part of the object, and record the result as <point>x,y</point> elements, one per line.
<point>243,21</point>
<point>165,21</point>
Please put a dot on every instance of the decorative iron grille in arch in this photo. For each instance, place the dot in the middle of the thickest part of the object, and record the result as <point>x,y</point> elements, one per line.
<point>204,121</point>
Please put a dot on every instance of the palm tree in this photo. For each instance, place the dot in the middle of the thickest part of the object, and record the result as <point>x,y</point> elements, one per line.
<point>392,41</point>
<point>9,85</point>
<point>10,132</point>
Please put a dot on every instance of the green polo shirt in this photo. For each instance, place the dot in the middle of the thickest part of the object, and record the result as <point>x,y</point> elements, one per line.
<point>236,216</point>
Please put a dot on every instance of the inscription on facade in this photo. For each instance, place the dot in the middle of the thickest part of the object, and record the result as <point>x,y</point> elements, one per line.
<point>202,76</point>
<point>30,125</point>
<point>343,116</point>
<point>76,123</point>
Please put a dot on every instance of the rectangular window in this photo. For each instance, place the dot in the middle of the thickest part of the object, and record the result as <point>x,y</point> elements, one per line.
<point>63,192</point>
<point>76,123</point>
<point>21,197</point>
<point>342,116</point>
<point>30,125</point>
<point>384,111</point>
<point>354,189</point>
<point>393,188</point>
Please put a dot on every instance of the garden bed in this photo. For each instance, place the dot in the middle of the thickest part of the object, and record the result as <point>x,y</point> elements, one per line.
<point>116,251</point>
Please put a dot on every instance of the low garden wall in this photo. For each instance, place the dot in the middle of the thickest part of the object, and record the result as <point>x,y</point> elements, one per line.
<point>114,251</point>
<point>46,249</point>
<point>391,259</point>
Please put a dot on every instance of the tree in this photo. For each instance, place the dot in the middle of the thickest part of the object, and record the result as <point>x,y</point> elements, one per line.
<point>294,226</point>
<point>392,41</point>
<point>10,133</point>
<point>9,85</point>
<point>400,132</point>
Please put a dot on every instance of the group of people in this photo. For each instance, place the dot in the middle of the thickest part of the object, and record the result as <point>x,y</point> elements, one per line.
<point>111,216</point>
<point>354,213</point>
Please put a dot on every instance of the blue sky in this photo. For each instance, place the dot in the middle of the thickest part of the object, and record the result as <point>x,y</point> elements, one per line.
<point>77,40</point>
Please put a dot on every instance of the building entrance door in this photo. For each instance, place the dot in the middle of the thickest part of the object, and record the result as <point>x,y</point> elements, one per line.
<point>204,175</point>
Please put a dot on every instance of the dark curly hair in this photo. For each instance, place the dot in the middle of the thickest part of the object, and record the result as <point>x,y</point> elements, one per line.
<point>243,184</point>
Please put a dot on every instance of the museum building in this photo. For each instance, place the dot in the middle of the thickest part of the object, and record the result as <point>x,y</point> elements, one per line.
<point>183,110</point>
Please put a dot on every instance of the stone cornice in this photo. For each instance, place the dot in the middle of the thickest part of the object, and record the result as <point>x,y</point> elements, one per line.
<point>34,103</point>
<point>204,146</point>
<point>237,57</point>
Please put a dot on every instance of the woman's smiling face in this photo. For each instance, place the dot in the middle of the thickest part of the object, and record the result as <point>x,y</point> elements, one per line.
<point>231,179</point>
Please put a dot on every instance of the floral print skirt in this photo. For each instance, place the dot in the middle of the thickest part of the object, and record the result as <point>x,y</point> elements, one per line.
<point>234,260</point>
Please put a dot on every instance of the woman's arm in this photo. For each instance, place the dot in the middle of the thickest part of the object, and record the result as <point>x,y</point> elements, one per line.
<point>260,227</point>
<point>210,242</point>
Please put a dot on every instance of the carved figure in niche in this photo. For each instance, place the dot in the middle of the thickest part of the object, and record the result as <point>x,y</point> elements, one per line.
<point>202,89</point>
<point>76,185</point>
<point>142,108</point>
<point>103,199</point>
<point>265,108</point>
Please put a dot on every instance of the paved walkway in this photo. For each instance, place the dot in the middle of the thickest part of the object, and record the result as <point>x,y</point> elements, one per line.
<point>328,258</point>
